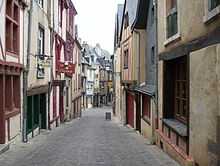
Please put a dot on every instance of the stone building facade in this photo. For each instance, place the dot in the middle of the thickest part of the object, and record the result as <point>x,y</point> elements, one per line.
<point>11,68</point>
<point>178,81</point>
<point>188,80</point>
<point>36,66</point>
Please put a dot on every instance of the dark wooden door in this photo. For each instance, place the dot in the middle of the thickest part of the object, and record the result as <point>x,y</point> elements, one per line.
<point>43,111</point>
<point>138,113</point>
<point>130,109</point>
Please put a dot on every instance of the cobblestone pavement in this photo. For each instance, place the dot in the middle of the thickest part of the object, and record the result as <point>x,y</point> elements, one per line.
<point>90,141</point>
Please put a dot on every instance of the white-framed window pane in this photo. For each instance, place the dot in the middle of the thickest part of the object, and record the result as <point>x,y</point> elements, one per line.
<point>41,41</point>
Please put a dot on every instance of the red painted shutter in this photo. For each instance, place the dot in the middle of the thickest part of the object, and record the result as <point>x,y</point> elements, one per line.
<point>130,109</point>
<point>54,102</point>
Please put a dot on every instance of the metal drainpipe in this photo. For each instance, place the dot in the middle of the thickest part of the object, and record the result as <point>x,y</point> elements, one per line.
<point>156,94</point>
<point>139,56</point>
<point>139,66</point>
<point>51,71</point>
<point>25,73</point>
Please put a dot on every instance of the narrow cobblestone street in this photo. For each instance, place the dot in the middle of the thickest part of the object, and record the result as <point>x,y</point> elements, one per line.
<point>90,141</point>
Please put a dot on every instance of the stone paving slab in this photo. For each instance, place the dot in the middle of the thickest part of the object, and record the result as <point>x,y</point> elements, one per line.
<point>89,141</point>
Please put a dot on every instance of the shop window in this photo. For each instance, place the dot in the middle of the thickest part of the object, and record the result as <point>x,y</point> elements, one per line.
<point>146,108</point>
<point>12,27</point>
<point>172,16</point>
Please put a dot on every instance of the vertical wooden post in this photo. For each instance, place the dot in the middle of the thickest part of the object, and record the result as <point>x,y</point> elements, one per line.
<point>2,110</point>
<point>32,115</point>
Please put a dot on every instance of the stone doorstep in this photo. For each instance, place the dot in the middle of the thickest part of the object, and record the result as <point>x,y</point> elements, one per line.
<point>4,148</point>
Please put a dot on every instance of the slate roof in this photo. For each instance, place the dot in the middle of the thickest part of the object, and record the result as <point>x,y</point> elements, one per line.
<point>131,8</point>
<point>120,15</point>
<point>146,89</point>
<point>140,21</point>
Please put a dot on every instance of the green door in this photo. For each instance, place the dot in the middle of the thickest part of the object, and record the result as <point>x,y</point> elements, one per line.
<point>43,111</point>
<point>29,114</point>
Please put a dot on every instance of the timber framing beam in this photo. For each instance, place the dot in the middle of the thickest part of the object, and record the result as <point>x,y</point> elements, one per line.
<point>196,44</point>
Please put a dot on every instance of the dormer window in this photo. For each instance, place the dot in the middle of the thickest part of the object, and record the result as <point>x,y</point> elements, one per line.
<point>126,21</point>
<point>213,4</point>
<point>172,22</point>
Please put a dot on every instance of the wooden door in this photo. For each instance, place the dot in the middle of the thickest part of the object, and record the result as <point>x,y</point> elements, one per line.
<point>43,111</point>
<point>138,113</point>
<point>130,109</point>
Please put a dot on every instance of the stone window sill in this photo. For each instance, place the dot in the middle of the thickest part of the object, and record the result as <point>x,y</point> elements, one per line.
<point>172,39</point>
<point>177,126</point>
<point>211,15</point>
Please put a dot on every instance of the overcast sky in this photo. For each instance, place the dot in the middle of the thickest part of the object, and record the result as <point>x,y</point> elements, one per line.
<point>95,21</point>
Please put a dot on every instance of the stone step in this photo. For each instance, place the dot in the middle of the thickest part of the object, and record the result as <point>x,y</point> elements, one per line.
<point>3,148</point>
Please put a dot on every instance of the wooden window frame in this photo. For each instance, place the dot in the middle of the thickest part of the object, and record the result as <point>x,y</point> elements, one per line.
<point>41,41</point>
<point>126,57</point>
<point>12,26</point>
<point>181,98</point>
<point>176,89</point>
<point>12,95</point>
<point>171,18</point>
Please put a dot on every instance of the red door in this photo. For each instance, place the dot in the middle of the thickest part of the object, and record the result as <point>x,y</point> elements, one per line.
<point>130,109</point>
